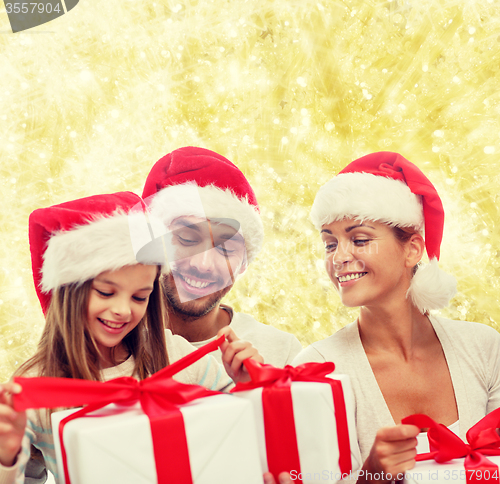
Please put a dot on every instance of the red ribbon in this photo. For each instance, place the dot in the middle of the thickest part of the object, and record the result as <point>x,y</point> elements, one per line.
<point>482,439</point>
<point>159,396</point>
<point>279,423</point>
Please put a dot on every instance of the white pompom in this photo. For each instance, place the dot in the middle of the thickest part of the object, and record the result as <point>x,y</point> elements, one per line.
<point>431,287</point>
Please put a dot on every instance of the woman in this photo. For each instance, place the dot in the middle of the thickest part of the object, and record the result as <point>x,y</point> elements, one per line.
<point>401,359</point>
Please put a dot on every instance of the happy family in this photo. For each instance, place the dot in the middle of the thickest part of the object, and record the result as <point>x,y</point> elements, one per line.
<point>113,311</point>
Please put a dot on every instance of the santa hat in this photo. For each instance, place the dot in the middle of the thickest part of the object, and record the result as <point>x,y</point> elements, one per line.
<point>76,241</point>
<point>200,182</point>
<point>386,187</point>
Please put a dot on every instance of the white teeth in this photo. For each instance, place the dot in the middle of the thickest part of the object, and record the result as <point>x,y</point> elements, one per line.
<point>350,277</point>
<point>112,325</point>
<point>196,283</point>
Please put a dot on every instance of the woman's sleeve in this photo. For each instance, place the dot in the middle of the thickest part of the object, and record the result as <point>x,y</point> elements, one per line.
<point>307,355</point>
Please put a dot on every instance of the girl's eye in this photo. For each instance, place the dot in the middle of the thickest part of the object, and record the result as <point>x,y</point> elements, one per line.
<point>104,294</point>
<point>140,299</point>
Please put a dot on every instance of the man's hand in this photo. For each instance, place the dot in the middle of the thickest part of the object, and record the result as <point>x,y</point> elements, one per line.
<point>234,352</point>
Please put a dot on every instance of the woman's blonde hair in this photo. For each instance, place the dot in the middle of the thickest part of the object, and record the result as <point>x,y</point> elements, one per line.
<point>67,349</point>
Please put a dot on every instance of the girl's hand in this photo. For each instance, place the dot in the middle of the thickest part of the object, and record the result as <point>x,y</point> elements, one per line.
<point>12,425</point>
<point>392,453</point>
<point>234,352</point>
<point>284,478</point>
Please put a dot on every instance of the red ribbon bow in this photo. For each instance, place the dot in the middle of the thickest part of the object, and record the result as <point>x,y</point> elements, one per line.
<point>482,439</point>
<point>281,438</point>
<point>159,396</point>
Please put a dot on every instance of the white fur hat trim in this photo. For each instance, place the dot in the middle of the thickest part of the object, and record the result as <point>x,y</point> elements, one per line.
<point>367,197</point>
<point>104,244</point>
<point>210,202</point>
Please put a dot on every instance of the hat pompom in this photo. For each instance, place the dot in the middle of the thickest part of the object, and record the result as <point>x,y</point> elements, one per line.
<point>431,287</point>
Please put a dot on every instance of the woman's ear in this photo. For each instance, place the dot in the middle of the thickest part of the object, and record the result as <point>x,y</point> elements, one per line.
<point>415,250</point>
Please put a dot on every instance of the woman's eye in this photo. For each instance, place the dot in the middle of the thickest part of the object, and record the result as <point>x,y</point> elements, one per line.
<point>104,294</point>
<point>361,242</point>
<point>330,247</point>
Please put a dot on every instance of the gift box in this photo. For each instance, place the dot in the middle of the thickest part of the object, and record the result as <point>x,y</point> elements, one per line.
<point>450,459</point>
<point>152,431</point>
<point>305,420</point>
<point>114,444</point>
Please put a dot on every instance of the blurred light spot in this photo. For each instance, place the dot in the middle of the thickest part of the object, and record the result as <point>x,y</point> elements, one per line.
<point>301,81</point>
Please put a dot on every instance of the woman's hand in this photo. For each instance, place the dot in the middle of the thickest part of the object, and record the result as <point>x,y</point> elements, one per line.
<point>284,478</point>
<point>392,454</point>
<point>12,424</point>
<point>234,352</point>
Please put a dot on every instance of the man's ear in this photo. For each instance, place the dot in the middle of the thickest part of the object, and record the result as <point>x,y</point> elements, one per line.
<point>415,250</point>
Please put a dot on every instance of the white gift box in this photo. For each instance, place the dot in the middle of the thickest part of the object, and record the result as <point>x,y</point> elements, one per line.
<point>117,447</point>
<point>452,472</point>
<point>315,427</point>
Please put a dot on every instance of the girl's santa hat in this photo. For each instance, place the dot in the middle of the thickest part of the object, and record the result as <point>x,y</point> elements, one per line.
<point>199,182</point>
<point>76,241</point>
<point>386,187</point>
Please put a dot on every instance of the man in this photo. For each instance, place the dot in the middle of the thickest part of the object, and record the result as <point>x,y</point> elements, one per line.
<point>214,232</point>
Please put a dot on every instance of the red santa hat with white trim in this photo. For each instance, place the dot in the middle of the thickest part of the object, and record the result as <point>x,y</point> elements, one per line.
<point>75,241</point>
<point>386,187</point>
<point>196,181</point>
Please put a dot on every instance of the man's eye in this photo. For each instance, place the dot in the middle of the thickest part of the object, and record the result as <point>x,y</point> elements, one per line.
<point>223,250</point>
<point>185,241</point>
<point>330,247</point>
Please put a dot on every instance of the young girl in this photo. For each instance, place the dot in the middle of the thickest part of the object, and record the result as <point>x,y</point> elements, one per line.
<point>401,359</point>
<point>103,314</point>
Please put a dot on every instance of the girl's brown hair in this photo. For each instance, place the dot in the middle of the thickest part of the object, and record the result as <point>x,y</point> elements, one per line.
<point>67,349</point>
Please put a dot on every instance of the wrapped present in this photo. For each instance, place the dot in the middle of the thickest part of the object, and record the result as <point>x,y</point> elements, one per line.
<point>305,420</point>
<point>152,431</point>
<point>451,459</point>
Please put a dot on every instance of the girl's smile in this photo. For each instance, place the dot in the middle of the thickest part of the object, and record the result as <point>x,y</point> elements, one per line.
<point>117,303</point>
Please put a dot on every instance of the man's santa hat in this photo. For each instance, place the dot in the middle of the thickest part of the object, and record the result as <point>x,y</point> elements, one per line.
<point>199,182</point>
<point>75,241</point>
<point>385,187</point>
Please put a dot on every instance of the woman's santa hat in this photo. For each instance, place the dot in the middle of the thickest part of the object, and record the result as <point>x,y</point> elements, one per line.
<point>386,187</point>
<point>199,182</point>
<point>76,241</point>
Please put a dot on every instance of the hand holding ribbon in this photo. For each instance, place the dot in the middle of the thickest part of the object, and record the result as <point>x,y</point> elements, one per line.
<point>482,439</point>
<point>159,396</point>
<point>281,437</point>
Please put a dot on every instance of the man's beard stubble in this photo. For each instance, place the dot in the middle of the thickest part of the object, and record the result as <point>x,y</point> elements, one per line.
<point>190,310</point>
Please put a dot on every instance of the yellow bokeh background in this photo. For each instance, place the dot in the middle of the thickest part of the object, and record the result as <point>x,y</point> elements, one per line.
<point>290,91</point>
